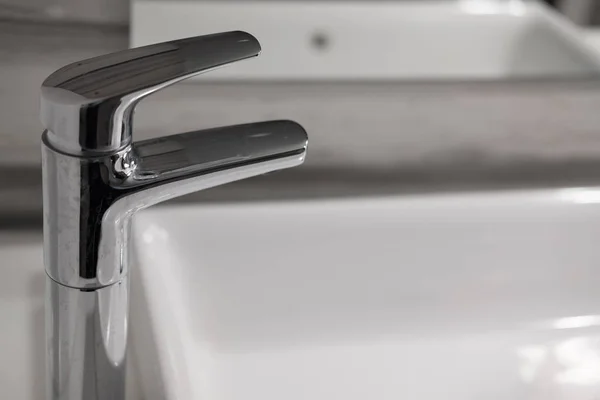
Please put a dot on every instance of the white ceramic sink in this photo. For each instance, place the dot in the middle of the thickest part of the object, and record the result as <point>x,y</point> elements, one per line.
<point>379,40</point>
<point>466,296</point>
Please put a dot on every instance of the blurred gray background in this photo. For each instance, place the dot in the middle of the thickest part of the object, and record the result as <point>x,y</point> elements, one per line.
<point>39,36</point>
<point>116,12</point>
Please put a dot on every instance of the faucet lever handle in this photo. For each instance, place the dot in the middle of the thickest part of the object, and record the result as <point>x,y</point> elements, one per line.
<point>87,106</point>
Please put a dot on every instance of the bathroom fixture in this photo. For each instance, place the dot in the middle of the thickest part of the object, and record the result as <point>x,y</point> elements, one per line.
<point>397,40</point>
<point>476,295</point>
<point>95,179</point>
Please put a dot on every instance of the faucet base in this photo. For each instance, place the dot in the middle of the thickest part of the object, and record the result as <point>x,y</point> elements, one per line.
<point>86,341</point>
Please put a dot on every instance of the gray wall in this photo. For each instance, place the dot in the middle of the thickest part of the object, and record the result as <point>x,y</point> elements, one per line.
<point>117,11</point>
<point>95,11</point>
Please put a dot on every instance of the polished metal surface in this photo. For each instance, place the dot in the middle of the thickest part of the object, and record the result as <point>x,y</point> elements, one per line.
<point>86,341</point>
<point>89,200</point>
<point>87,106</point>
<point>95,178</point>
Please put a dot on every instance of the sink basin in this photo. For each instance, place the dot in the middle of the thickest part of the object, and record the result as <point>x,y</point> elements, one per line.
<point>456,296</point>
<point>379,40</point>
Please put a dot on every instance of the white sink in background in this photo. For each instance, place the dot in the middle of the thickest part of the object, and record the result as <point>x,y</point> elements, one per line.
<point>460,296</point>
<point>379,40</point>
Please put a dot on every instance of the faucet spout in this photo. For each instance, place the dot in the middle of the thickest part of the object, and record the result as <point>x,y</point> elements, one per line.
<point>198,153</point>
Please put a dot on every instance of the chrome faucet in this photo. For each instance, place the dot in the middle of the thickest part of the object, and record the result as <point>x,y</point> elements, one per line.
<point>95,179</point>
